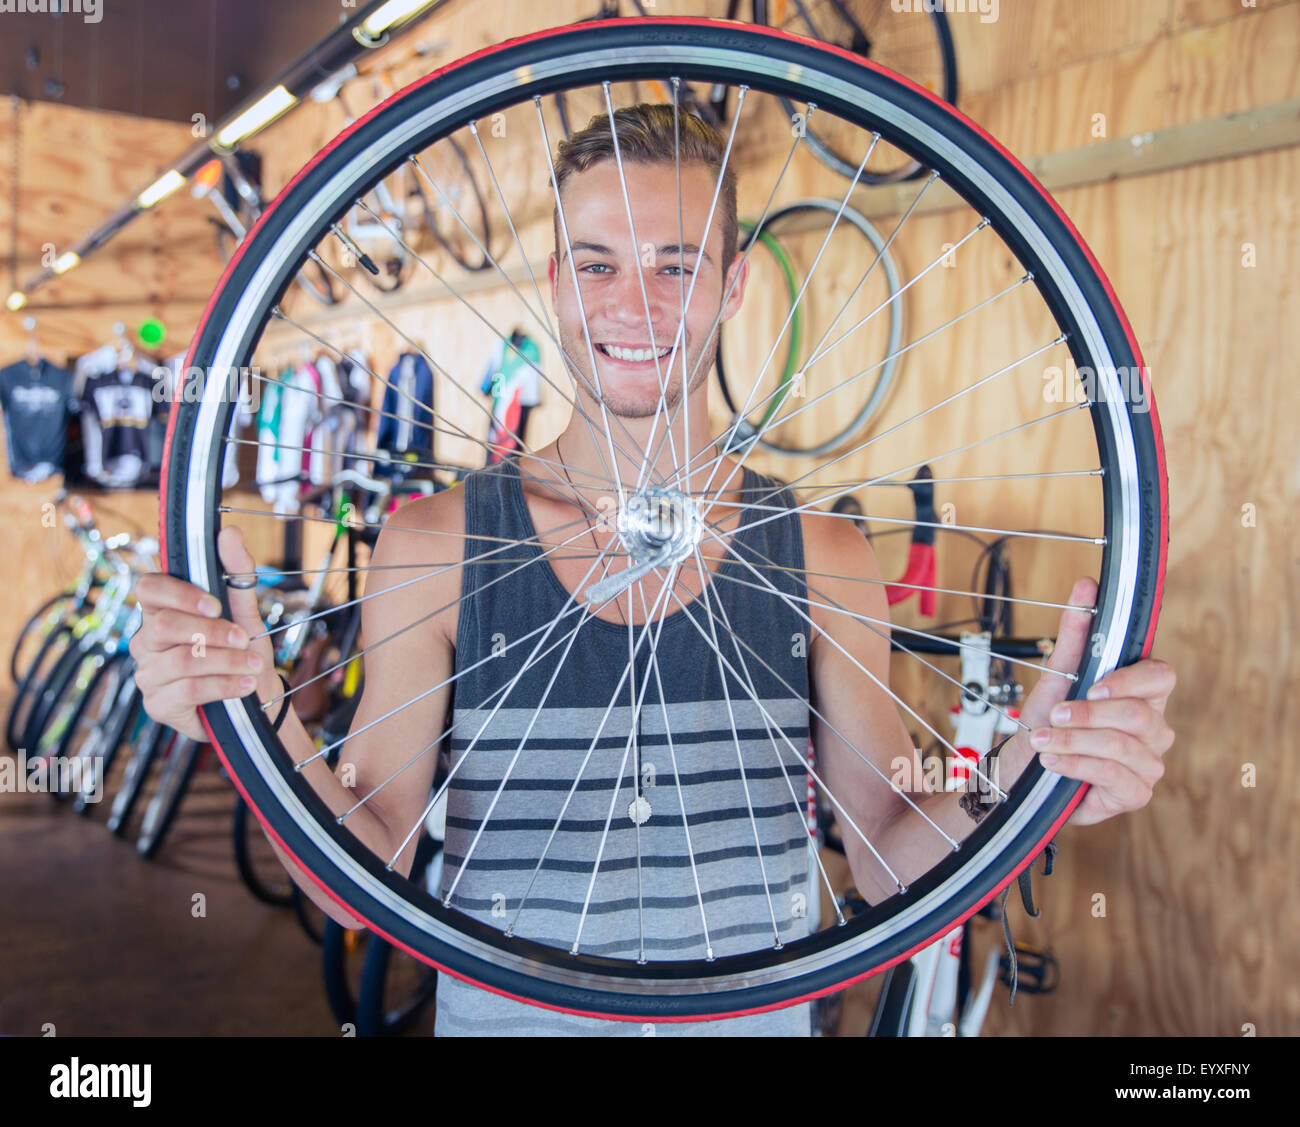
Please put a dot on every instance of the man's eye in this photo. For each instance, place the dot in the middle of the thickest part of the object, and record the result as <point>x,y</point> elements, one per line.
<point>596,266</point>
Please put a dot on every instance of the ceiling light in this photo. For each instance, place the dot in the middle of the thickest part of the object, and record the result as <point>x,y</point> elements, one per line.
<point>66,262</point>
<point>163,187</point>
<point>264,111</point>
<point>16,301</point>
<point>371,30</point>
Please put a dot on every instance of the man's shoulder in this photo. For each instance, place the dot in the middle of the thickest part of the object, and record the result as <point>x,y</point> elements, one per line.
<point>421,546</point>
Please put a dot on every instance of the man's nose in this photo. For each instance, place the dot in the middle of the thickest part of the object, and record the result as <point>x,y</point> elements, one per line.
<point>626,303</point>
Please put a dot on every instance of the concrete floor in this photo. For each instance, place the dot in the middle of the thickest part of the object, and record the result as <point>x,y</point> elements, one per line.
<point>99,941</point>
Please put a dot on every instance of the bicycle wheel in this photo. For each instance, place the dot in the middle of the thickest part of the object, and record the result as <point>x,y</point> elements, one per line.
<point>51,614</point>
<point>178,768</point>
<point>80,724</point>
<point>33,684</point>
<point>143,749</point>
<point>105,742</point>
<point>846,414</point>
<point>915,43</point>
<point>1109,470</point>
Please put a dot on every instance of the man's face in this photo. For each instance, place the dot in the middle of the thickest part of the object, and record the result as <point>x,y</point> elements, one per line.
<point>611,270</point>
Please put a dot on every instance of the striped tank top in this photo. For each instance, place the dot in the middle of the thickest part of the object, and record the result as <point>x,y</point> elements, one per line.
<point>654,851</point>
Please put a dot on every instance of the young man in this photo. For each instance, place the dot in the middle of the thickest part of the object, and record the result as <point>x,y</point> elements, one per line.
<point>732,664</point>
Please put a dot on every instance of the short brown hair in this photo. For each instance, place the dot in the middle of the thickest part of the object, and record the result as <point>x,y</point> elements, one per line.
<point>647,134</point>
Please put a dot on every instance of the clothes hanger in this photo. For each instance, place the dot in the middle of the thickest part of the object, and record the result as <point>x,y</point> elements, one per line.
<point>33,346</point>
<point>125,349</point>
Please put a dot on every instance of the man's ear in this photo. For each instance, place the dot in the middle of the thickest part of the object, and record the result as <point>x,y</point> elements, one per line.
<point>740,271</point>
<point>551,271</point>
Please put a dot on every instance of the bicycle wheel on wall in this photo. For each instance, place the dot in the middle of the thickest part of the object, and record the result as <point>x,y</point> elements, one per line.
<point>1100,466</point>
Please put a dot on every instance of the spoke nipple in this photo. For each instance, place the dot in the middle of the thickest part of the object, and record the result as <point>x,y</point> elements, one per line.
<point>509,932</point>
<point>708,955</point>
<point>447,903</point>
<point>778,946</point>
<point>574,950</point>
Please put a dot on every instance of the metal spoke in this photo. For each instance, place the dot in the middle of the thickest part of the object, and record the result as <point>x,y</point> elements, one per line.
<point>717,317</point>
<point>873,624</point>
<point>572,401</point>
<point>800,756</point>
<point>613,801</point>
<point>339,743</point>
<point>860,667</point>
<point>573,789</point>
<point>549,627</point>
<point>582,310</point>
<point>459,431</point>
<point>799,806</point>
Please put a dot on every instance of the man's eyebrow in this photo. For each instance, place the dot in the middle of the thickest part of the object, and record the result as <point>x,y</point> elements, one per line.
<point>666,249</point>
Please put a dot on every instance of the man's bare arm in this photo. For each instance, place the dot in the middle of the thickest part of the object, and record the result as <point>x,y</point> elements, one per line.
<point>407,653</point>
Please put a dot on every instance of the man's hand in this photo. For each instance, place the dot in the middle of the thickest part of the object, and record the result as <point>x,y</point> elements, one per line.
<point>1116,739</point>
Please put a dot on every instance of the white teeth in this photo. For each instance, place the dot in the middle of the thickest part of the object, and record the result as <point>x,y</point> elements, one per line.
<point>634,355</point>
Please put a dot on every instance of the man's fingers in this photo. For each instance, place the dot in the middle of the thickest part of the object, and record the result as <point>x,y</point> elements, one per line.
<point>236,560</point>
<point>186,661</point>
<point>154,590</point>
<point>1072,638</point>
<point>1131,715</point>
<point>182,697</point>
<point>1150,679</point>
<point>1110,756</point>
<point>1127,776</point>
<point>170,627</point>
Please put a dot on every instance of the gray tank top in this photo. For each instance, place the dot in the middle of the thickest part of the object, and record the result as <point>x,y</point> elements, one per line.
<point>678,804</point>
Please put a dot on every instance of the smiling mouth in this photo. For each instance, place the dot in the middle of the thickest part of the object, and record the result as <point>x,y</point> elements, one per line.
<point>632,355</point>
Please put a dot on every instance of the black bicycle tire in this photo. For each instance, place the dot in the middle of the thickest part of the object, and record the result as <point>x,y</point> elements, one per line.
<point>372,1016</point>
<point>20,707</point>
<point>112,661</point>
<point>145,750</point>
<point>442,241</point>
<point>15,674</point>
<point>47,696</point>
<point>125,712</point>
<point>1069,273</point>
<point>374,1019</point>
<point>177,773</point>
<point>334,970</point>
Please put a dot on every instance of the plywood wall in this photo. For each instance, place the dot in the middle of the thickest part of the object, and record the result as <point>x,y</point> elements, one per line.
<point>1195,933</point>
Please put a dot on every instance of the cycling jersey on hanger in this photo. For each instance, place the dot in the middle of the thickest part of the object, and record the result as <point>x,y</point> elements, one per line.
<point>407,423</point>
<point>289,407</point>
<point>513,382</point>
<point>37,400</point>
<point>116,408</point>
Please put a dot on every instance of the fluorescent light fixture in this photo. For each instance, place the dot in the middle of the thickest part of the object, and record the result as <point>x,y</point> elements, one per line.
<point>264,111</point>
<point>389,16</point>
<point>163,187</point>
<point>16,301</point>
<point>66,262</point>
